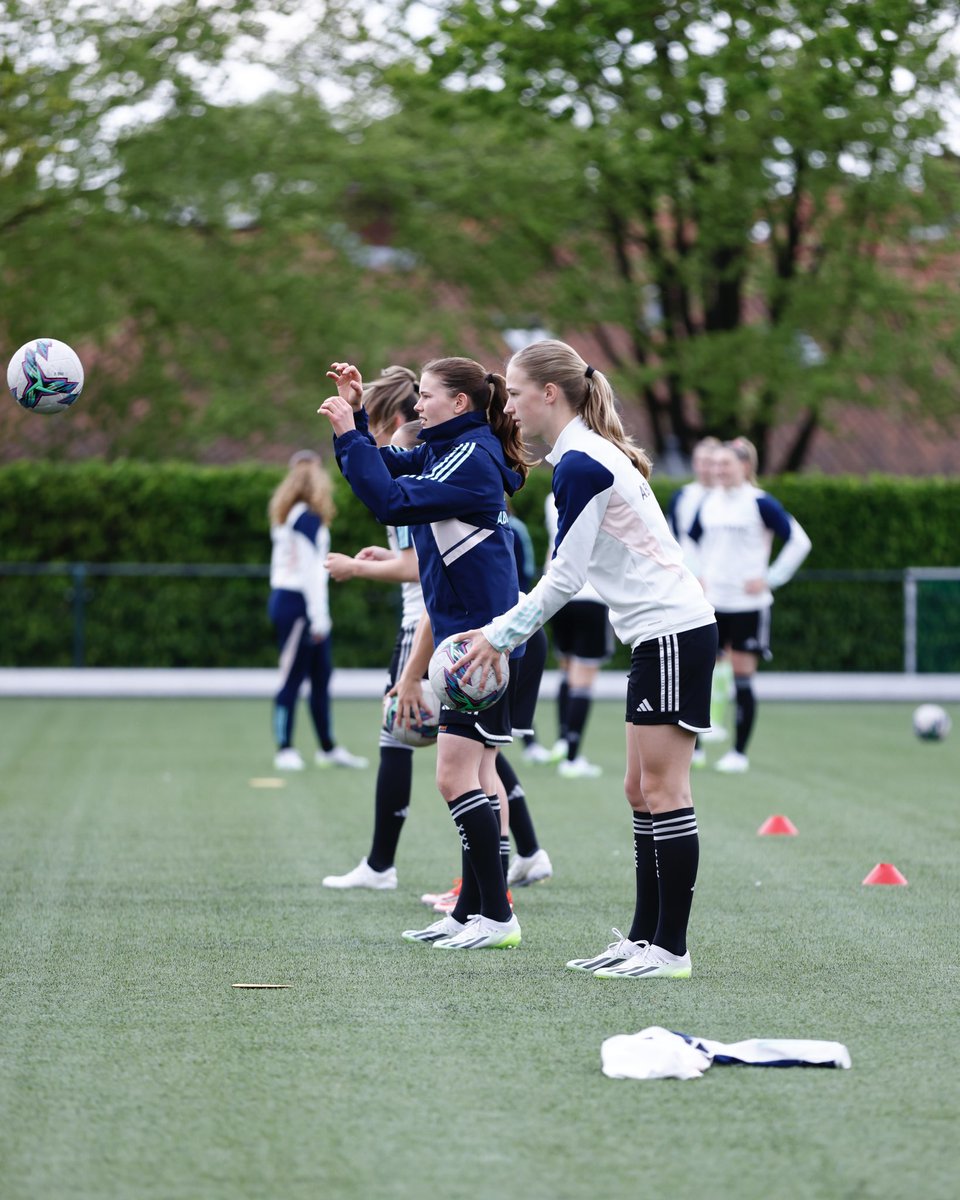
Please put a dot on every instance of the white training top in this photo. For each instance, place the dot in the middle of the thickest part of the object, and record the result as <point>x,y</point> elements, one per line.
<point>400,538</point>
<point>680,516</point>
<point>611,530</point>
<point>300,546</point>
<point>588,591</point>
<point>734,530</point>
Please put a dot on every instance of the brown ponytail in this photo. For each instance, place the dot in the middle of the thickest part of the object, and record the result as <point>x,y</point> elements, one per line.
<point>488,394</point>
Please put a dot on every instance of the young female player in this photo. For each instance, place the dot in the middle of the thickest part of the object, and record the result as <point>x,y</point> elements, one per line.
<point>388,402</point>
<point>734,531</point>
<point>300,512</point>
<point>611,531</point>
<point>451,490</point>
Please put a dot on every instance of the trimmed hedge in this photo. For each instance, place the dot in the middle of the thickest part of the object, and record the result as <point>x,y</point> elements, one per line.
<point>127,512</point>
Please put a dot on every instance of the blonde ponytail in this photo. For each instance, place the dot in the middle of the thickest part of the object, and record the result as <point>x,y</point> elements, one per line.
<point>587,390</point>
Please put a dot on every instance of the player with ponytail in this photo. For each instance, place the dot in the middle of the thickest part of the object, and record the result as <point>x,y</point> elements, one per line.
<point>612,533</point>
<point>450,489</point>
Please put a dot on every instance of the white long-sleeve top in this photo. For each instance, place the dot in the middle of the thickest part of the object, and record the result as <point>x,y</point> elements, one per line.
<point>611,531</point>
<point>734,530</point>
<point>300,547</point>
<point>551,520</point>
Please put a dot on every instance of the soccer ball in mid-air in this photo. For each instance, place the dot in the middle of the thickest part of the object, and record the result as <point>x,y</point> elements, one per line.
<point>45,376</point>
<point>423,731</point>
<point>931,722</point>
<point>465,694</point>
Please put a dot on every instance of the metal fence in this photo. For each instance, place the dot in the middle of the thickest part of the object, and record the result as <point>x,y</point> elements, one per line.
<point>213,614</point>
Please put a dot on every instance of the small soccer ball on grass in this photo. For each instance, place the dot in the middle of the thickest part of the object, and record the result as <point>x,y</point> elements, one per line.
<point>460,692</point>
<point>45,376</point>
<point>423,731</point>
<point>931,723</point>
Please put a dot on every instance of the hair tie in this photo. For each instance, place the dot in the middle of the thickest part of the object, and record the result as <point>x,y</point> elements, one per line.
<point>589,372</point>
<point>490,377</point>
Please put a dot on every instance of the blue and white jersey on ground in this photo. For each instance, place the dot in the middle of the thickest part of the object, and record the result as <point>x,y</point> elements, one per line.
<point>400,537</point>
<point>451,491</point>
<point>299,547</point>
<point>681,513</point>
<point>612,531</point>
<point>734,531</point>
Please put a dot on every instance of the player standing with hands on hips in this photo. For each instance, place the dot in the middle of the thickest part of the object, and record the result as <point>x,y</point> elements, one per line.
<point>612,532</point>
<point>450,489</point>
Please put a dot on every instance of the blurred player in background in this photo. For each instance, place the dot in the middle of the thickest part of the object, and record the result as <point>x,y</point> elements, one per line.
<point>300,512</point>
<point>582,643</point>
<point>734,531</point>
<point>681,512</point>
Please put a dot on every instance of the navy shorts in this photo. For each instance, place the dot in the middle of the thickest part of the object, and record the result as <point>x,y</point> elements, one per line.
<point>493,726</point>
<point>746,631</point>
<point>581,630</point>
<point>671,678</point>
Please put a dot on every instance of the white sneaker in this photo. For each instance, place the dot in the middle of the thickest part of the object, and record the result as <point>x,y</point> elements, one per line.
<point>446,927</point>
<point>716,733</point>
<point>651,963</point>
<point>480,933</point>
<point>558,751</point>
<point>535,753</point>
<point>288,759</point>
<point>578,768</point>
<point>699,758</point>
<point>364,876</point>
<point>532,869</point>
<point>616,953</point>
<point>732,763</point>
<point>340,756</point>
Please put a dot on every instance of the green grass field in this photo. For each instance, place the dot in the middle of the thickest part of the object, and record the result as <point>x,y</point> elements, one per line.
<point>141,875</point>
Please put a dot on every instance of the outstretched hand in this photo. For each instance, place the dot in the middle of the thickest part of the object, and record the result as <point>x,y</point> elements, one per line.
<point>339,413</point>
<point>349,383</point>
<point>481,655</point>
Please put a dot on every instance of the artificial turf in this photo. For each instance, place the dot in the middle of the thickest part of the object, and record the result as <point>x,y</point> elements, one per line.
<point>141,875</point>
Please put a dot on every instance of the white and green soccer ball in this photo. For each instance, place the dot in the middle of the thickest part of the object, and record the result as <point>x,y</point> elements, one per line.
<point>423,731</point>
<point>466,693</point>
<point>45,376</point>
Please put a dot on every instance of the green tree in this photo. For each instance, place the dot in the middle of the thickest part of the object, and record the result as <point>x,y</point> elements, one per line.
<point>193,251</point>
<point>730,198</point>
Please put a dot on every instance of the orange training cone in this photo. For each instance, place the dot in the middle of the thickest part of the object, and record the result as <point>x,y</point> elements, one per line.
<point>885,873</point>
<point>777,824</point>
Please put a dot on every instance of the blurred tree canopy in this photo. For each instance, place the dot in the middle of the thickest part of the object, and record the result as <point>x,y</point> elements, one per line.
<point>731,201</point>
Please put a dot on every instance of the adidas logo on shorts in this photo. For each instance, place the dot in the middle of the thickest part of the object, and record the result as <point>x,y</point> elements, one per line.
<point>644,706</point>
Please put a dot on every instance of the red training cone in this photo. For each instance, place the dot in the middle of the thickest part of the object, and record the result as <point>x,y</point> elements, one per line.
<point>777,824</point>
<point>885,873</point>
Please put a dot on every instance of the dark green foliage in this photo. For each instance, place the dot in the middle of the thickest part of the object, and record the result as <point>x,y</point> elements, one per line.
<point>209,519</point>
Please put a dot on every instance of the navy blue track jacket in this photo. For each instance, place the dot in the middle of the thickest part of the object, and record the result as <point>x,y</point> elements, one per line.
<point>450,490</point>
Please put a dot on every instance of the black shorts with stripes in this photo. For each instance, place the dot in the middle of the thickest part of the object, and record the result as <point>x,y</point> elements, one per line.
<point>670,679</point>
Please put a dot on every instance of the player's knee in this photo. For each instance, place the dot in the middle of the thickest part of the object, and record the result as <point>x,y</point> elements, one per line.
<point>634,793</point>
